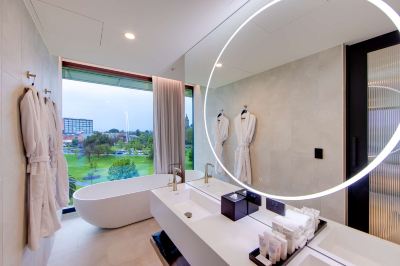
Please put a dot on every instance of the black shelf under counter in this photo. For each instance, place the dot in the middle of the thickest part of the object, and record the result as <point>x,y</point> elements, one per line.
<point>166,250</point>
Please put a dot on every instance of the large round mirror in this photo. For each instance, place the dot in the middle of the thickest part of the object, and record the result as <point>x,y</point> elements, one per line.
<point>276,100</point>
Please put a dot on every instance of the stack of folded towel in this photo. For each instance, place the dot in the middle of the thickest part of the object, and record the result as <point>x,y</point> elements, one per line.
<point>289,232</point>
<point>298,226</point>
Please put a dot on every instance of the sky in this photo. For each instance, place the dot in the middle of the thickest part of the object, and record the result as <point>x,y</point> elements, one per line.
<point>108,106</point>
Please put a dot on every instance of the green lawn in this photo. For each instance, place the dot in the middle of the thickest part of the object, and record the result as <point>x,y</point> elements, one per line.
<point>80,167</point>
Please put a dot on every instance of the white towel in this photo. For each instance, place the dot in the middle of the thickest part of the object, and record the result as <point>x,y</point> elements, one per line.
<point>302,220</point>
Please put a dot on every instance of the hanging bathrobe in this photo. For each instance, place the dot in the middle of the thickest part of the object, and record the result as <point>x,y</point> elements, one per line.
<point>244,126</point>
<point>221,132</point>
<point>58,164</point>
<point>42,218</point>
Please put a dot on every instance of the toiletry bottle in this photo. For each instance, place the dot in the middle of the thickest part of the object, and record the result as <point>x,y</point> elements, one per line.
<point>263,245</point>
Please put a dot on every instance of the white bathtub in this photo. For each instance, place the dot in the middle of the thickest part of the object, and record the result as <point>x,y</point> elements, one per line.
<point>118,203</point>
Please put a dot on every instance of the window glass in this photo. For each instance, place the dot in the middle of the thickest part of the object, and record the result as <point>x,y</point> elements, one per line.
<point>189,135</point>
<point>108,132</point>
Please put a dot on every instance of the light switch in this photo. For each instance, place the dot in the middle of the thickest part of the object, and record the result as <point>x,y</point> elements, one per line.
<point>318,153</point>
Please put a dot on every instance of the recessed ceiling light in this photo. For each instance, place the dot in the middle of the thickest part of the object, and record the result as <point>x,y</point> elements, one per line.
<point>129,36</point>
<point>218,64</point>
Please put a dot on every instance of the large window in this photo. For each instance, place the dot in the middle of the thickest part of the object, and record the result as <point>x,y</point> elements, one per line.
<point>108,126</point>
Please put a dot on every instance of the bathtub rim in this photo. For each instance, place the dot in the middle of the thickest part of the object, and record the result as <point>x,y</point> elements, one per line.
<point>74,195</point>
<point>122,180</point>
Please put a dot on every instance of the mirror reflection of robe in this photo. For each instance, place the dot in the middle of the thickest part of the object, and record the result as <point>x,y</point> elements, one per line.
<point>244,126</point>
<point>221,133</point>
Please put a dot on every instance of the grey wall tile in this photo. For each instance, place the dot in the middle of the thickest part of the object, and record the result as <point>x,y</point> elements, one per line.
<point>21,49</point>
<point>11,38</point>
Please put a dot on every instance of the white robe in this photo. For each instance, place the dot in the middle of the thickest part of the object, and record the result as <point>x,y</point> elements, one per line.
<point>43,220</point>
<point>221,133</point>
<point>244,131</point>
<point>57,160</point>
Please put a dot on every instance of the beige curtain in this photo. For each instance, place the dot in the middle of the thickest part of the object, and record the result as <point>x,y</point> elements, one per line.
<point>169,127</point>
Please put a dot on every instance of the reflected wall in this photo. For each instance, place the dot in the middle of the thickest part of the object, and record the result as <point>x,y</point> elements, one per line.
<point>299,106</point>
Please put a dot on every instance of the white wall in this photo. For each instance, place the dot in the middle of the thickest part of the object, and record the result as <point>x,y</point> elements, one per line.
<point>21,49</point>
<point>175,71</point>
<point>299,106</point>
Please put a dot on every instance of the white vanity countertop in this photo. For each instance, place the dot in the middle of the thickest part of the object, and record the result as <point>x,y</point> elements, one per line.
<point>234,240</point>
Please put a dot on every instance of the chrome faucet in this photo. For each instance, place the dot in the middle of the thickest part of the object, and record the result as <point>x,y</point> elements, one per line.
<point>174,183</point>
<point>206,174</point>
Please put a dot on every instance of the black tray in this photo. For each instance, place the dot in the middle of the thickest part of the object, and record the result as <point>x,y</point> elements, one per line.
<point>322,224</point>
<point>252,255</point>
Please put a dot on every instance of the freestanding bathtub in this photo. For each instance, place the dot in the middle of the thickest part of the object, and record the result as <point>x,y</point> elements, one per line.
<point>118,203</point>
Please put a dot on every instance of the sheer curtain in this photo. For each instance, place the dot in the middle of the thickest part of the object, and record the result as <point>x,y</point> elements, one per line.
<point>169,127</point>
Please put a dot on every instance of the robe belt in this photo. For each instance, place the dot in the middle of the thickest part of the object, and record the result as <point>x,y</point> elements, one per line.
<point>244,145</point>
<point>33,163</point>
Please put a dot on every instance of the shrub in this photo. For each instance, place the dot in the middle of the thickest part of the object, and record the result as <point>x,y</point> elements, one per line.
<point>122,169</point>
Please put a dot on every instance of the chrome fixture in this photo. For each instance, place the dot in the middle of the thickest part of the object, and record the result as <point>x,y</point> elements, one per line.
<point>206,173</point>
<point>179,166</point>
<point>174,183</point>
<point>30,75</point>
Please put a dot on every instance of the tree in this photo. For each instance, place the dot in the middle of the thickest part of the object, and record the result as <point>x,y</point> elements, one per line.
<point>190,154</point>
<point>113,130</point>
<point>122,169</point>
<point>102,149</point>
<point>120,144</point>
<point>98,144</point>
<point>75,142</point>
<point>136,144</point>
<point>189,136</point>
<point>150,154</point>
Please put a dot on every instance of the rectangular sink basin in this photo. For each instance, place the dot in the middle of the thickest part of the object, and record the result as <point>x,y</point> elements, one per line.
<point>309,257</point>
<point>188,200</point>
<point>194,205</point>
<point>353,247</point>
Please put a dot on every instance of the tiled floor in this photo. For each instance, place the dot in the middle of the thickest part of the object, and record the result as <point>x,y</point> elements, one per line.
<point>81,244</point>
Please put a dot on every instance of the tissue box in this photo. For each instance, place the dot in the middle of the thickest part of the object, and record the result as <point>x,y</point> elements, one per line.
<point>253,200</point>
<point>232,208</point>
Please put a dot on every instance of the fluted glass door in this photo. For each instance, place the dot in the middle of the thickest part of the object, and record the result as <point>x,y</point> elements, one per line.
<point>383,118</point>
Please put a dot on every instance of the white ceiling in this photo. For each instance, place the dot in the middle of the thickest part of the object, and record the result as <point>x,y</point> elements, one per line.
<point>92,31</point>
<point>290,30</point>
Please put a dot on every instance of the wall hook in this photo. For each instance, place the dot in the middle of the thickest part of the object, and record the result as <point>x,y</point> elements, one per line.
<point>30,75</point>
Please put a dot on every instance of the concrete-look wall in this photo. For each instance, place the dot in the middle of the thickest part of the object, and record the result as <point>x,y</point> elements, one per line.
<point>21,49</point>
<point>299,106</point>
